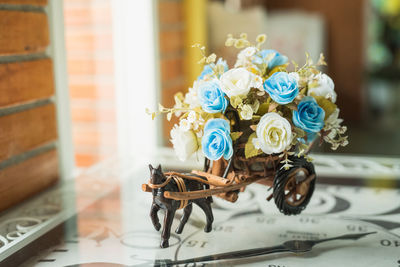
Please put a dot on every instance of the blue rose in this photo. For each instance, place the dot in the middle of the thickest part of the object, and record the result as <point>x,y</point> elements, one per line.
<point>281,87</point>
<point>208,69</point>
<point>216,141</point>
<point>309,116</point>
<point>277,59</point>
<point>211,97</point>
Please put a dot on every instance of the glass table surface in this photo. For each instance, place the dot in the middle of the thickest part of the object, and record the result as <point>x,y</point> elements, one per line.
<point>102,219</point>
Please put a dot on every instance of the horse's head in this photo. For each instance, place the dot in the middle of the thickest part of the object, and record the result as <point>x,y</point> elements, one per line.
<point>156,175</point>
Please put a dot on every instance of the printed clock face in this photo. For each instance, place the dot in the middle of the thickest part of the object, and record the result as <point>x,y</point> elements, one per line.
<point>125,236</point>
<point>333,211</point>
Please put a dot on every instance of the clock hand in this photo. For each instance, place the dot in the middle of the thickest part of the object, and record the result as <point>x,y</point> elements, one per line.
<point>295,246</point>
<point>223,256</point>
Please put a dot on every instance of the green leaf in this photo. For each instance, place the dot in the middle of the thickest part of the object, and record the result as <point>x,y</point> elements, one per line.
<point>249,149</point>
<point>326,105</point>
<point>235,135</point>
<point>207,116</point>
<point>299,132</point>
<point>236,101</point>
<point>278,69</point>
<point>263,108</point>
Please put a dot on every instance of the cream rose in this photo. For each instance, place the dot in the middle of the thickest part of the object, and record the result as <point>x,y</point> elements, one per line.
<point>184,142</point>
<point>274,133</point>
<point>325,87</point>
<point>237,82</point>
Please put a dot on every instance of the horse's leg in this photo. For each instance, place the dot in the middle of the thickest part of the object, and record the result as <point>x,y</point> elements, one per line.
<point>154,217</point>
<point>205,205</point>
<point>186,214</point>
<point>169,217</point>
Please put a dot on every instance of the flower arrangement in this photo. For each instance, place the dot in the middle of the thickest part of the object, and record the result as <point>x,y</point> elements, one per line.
<point>258,102</point>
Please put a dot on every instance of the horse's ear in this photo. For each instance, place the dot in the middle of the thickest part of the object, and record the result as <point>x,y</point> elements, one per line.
<point>151,167</point>
<point>159,167</point>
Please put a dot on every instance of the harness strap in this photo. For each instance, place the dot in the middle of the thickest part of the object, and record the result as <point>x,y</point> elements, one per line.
<point>177,174</point>
<point>189,177</point>
<point>182,188</point>
<point>156,186</point>
<point>179,182</point>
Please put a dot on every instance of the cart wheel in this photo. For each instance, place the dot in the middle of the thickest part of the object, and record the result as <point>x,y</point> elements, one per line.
<point>294,187</point>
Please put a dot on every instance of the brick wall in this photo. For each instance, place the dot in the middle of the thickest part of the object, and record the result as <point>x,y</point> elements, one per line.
<point>88,34</point>
<point>28,131</point>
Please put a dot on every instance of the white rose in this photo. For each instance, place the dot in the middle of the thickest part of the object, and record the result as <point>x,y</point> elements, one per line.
<point>247,112</point>
<point>274,133</point>
<point>325,87</point>
<point>237,82</point>
<point>184,142</point>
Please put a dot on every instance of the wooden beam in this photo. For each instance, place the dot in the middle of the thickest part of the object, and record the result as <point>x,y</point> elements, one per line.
<point>25,81</point>
<point>17,182</point>
<point>23,32</point>
<point>25,2</point>
<point>26,130</point>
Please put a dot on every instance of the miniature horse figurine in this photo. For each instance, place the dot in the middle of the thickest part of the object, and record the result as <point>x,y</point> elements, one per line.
<point>170,205</point>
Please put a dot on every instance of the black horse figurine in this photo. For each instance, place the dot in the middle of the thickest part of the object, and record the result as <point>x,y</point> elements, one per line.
<point>170,206</point>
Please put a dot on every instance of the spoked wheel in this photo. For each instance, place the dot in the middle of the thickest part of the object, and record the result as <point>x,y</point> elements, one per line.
<point>294,187</point>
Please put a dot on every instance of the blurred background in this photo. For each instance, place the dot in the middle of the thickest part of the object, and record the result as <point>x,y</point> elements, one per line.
<point>90,61</point>
<point>77,75</point>
<point>360,39</point>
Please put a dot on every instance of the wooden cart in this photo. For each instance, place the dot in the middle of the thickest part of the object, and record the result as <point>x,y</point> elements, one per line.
<point>292,188</point>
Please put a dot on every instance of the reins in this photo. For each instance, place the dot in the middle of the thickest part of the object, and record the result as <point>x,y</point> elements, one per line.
<point>170,176</point>
<point>156,186</point>
<point>177,177</point>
